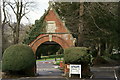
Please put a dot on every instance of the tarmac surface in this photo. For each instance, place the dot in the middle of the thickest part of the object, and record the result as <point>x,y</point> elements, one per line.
<point>47,71</point>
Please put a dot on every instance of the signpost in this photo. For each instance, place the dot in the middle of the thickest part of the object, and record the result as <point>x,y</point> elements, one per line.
<point>75,69</point>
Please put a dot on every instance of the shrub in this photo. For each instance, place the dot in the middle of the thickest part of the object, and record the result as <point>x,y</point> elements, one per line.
<point>79,55</point>
<point>115,56</point>
<point>76,55</point>
<point>60,55</point>
<point>18,57</point>
<point>99,60</point>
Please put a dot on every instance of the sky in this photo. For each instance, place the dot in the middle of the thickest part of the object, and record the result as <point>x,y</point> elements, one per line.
<point>36,11</point>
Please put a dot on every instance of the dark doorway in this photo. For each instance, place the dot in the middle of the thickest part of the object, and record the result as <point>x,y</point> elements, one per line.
<point>47,49</point>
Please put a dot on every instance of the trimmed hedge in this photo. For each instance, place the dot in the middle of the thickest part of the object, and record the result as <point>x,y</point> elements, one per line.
<point>18,57</point>
<point>79,55</point>
<point>76,55</point>
<point>57,56</point>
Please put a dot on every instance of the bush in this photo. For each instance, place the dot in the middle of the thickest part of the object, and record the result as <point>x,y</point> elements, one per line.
<point>99,60</point>
<point>79,55</point>
<point>115,56</point>
<point>76,55</point>
<point>60,55</point>
<point>18,57</point>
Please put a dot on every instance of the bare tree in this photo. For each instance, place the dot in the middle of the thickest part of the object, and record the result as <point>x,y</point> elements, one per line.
<point>3,23</point>
<point>0,36</point>
<point>20,9</point>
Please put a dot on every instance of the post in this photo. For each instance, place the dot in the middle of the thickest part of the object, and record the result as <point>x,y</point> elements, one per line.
<point>0,36</point>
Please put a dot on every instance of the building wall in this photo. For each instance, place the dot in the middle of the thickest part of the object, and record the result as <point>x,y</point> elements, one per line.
<point>54,25</point>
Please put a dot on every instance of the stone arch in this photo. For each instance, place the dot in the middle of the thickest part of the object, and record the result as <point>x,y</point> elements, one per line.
<point>45,38</point>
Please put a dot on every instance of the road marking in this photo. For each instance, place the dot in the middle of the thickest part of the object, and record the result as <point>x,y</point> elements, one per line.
<point>115,75</point>
<point>91,77</point>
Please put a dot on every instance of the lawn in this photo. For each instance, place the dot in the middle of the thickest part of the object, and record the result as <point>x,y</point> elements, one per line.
<point>58,59</point>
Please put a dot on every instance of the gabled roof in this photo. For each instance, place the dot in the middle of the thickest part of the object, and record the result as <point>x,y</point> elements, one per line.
<point>52,8</point>
<point>34,33</point>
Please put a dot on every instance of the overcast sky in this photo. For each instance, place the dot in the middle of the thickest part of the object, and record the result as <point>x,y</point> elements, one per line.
<point>36,11</point>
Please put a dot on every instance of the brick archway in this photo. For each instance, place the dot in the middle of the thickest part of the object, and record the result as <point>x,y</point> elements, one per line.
<point>54,30</point>
<point>35,44</point>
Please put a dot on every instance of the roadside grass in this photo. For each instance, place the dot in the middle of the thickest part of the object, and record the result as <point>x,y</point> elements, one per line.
<point>50,59</point>
<point>55,59</point>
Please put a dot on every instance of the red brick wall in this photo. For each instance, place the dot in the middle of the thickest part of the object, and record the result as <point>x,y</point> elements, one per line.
<point>65,40</point>
<point>53,17</point>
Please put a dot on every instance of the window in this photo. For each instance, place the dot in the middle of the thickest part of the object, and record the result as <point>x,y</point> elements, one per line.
<point>51,27</point>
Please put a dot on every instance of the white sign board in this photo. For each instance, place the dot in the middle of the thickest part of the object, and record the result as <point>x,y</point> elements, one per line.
<point>75,69</point>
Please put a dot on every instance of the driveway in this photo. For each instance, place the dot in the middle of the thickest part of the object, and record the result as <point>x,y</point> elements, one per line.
<point>46,68</point>
<point>47,71</point>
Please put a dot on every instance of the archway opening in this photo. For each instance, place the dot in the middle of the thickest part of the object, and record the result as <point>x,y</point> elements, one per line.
<point>48,48</point>
<point>46,55</point>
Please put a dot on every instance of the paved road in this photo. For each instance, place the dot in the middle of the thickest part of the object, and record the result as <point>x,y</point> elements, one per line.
<point>100,73</point>
<point>47,71</point>
<point>56,79</point>
<point>105,73</point>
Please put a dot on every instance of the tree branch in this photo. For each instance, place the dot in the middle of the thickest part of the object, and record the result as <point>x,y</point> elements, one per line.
<point>4,12</point>
<point>95,21</point>
<point>13,8</point>
<point>108,10</point>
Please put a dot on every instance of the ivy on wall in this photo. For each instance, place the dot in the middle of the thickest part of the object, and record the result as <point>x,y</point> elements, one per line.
<point>38,28</point>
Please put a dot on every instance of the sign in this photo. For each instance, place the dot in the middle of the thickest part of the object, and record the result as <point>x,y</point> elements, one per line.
<point>75,69</point>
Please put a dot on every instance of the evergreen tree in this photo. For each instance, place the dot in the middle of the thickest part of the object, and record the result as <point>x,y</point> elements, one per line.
<point>100,24</point>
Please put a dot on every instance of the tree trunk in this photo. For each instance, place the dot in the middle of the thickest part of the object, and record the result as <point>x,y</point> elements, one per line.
<point>106,48</point>
<point>110,48</point>
<point>0,36</point>
<point>99,47</point>
<point>14,36</point>
<point>80,28</point>
<point>3,25</point>
<point>17,33</point>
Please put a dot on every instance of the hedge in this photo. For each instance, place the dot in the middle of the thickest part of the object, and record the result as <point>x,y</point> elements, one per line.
<point>76,55</point>
<point>18,57</point>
